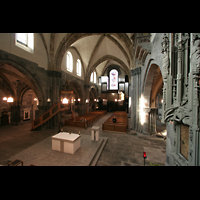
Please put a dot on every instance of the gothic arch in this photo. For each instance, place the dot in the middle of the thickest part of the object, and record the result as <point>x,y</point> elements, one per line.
<point>147,87</point>
<point>31,81</point>
<point>102,59</point>
<point>148,80</point>
<point>70,38</point>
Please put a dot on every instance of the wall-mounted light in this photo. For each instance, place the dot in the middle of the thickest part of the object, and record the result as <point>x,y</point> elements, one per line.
<point>65,101</point>
<point>10,100</point>
<point>5,99</point>
<point>48,100</point>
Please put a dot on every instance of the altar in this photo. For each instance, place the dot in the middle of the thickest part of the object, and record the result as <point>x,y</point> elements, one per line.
<point>66,142</point>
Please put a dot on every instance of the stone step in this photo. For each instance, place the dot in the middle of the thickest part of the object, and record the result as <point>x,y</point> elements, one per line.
<point>98,152</point>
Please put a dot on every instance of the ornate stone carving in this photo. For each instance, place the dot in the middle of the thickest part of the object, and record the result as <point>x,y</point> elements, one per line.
<point>66,87</point>
<point>143,37</point>
<point>195,56</point>
<point>165,69</point>
<point>136,71</point>
<point>184,107</point>
<point>177,112</point>
<point>185,38</point>
<point>165,61</point>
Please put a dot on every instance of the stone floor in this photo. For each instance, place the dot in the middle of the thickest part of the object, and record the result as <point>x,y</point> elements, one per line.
<point>41,154</point>
<point>120,150</point>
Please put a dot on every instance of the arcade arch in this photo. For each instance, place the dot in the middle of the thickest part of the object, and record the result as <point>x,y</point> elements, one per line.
<point>152,100</point>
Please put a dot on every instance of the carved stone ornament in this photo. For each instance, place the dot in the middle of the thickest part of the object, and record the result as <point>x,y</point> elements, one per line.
<point>66,87</point>
<point>136,71</point>
<point>165,60</point>
<point>185,38</point>
<point>179,114</point>
<point>165,44</point>
<point>196,36</point>
<point>195,58</point>
<point>184,113</point>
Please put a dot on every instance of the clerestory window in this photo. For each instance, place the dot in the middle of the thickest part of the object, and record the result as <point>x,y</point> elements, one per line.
<point>93,77</point>
<point>25,41</point>
<point>69,62</point>
<point>78,67</point>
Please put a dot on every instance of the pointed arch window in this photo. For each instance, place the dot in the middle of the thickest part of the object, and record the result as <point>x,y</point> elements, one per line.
<point>93,77</point>
<point>69,62</point>
<point>113,78</point>
<point>78,67</point>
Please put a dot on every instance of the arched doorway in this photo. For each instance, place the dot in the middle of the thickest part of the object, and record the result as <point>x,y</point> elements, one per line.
<point>28,106</point>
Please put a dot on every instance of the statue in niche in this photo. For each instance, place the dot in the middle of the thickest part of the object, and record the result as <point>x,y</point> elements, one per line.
<point>195,57</point>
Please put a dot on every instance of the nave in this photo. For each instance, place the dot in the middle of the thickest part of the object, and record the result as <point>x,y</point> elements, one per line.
<point>120,149</point>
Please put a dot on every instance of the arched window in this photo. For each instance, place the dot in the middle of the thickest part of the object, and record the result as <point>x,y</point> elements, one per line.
<point>25,41</point>
<point>93,77</point>
<point>69,62</point>
<point>78,67</point>
<point>113,79</point>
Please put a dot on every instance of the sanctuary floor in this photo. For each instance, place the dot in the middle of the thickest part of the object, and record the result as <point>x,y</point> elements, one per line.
<point>120,150</point>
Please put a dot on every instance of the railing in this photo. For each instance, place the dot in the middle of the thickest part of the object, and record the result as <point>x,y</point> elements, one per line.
<point>47,115</point>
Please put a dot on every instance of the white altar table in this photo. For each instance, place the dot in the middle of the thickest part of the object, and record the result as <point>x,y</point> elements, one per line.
<point>66,142</point>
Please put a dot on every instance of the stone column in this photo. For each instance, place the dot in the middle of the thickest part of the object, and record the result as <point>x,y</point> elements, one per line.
<point>135,95</point>
<point>165,72</point>
<point>152,122</point>
<point>54,85</point>
<point>15,114</point>
<point>179,74</point>
<point>53,78</point>
<point>86,96</point>
<point>194,149</point>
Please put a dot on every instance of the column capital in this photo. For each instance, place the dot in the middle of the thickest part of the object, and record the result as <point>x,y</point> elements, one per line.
<point>136,71</point>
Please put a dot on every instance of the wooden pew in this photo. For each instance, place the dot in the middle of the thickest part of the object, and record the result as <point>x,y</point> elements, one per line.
<point>120,125</point>
<point>86,120</point>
